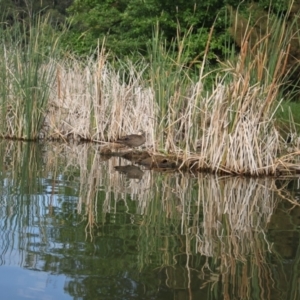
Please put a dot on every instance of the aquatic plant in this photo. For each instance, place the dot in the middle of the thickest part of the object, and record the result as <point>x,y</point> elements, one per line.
<point>27,71</point>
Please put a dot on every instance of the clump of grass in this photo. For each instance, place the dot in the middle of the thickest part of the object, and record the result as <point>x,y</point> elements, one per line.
<point>27,72</point>
<point>228,127</point>
<point>238,133</point>
<point>225,128</point>
<point>231,127</point>
<point>93,101</point>
<point>170,83</point>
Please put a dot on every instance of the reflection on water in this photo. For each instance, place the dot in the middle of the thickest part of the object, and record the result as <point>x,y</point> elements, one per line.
<point>75,227</point>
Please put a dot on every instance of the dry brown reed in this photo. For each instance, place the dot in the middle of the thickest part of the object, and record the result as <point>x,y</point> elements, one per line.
<point>230,129</point>
<point>91,101</point>
<point>238,134</point>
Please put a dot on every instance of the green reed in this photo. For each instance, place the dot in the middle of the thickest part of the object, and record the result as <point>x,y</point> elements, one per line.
<point>27,73</point>
<point>171,82</point>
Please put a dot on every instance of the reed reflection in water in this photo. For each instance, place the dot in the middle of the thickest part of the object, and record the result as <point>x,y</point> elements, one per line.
<point>78,228</point>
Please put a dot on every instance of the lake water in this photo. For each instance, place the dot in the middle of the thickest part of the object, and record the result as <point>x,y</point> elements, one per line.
<point>72,227</point>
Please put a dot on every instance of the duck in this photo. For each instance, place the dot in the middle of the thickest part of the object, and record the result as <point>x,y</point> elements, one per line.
<point>133,140</point>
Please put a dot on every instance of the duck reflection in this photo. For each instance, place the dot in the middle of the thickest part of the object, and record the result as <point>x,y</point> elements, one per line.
<point>131,172</point>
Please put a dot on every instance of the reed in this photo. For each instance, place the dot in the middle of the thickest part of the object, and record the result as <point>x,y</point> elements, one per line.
<point>238,133</point>
<point>228,126</point>
<point>225,127</point>
<point>221,120</point>
<point>170,83</point>
<point>93,101</point>
<point>27,70</point>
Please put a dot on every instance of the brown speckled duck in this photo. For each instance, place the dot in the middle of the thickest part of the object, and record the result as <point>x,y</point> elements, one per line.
<point>133,140</point>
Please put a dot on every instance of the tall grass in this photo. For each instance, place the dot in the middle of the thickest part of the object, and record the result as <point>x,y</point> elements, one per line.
<point>27,73</point>
<point>221,120</point>
<point>228,126</point>
<point>237,117</point>
<point>93,101</point>
<point>171,84</point>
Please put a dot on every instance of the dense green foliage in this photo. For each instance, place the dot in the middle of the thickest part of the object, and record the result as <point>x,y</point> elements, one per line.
<point>128,25</point>
<point>23,10</point>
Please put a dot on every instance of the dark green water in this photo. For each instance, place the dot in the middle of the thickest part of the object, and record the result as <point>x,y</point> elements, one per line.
<point>72,227</point>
